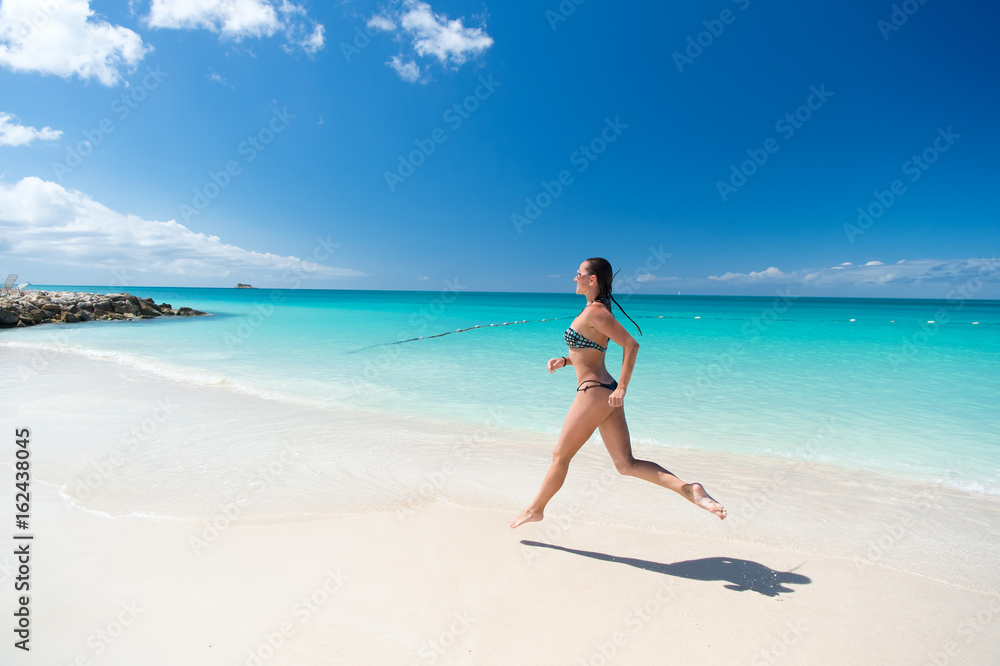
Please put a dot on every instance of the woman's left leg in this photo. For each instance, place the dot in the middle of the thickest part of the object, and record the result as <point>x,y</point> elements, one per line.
<point>614,432</point>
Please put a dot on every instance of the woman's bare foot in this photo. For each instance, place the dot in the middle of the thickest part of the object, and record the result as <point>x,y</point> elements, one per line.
<point>527,516</point>
<point>696,493</point>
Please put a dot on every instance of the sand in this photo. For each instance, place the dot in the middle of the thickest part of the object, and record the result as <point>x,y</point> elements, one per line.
<point>158,564</point>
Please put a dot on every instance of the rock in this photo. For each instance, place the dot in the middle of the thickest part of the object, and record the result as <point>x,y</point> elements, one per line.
<point>148,310</point>
<point>8,318</point>
<point>124,307</point>
<point>67,307</point>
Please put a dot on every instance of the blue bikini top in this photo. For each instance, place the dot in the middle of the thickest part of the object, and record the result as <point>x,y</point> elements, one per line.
<point>577,341</point>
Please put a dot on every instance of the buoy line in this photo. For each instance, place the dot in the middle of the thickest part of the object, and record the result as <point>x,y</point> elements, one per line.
<point>535,321</point>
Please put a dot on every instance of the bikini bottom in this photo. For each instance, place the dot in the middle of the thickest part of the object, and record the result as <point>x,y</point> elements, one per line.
<point>594,384</point>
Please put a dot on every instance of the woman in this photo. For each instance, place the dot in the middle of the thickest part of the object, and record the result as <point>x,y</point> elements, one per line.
<point>599,398</point>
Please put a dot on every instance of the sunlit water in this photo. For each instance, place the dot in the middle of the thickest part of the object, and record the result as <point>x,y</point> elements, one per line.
<point>858,383</point>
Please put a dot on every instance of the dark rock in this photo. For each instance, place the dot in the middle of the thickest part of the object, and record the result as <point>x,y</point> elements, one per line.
<point>38,307</point>
<point>125,307</point>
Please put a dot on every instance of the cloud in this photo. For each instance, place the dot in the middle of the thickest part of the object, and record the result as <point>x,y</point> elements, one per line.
<point>649,277</point>
<point>408,71</point>
<point>429,35</point>
<point>383,23</point>
<point>239,19</point>
<point>771,273</point>
<point>63,37</point>
<point>218,78</point>
<point>40,219</point>
<point>903,272</point>
<point>12,133</point>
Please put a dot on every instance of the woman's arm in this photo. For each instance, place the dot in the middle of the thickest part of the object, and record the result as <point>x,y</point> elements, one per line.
<point>604,322</point>
<point>556,363</point>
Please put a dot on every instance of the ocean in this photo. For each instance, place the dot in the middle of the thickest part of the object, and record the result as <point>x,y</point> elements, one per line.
<point>899,387</point>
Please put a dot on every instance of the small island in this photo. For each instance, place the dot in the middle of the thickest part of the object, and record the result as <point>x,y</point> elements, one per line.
<point>240,285</point>
<point>70,307</point>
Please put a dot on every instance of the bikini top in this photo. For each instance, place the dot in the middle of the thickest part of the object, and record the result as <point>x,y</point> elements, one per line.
<point>577,341</point>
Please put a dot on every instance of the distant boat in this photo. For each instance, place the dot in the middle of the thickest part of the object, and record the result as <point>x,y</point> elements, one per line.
<point>240,285</point>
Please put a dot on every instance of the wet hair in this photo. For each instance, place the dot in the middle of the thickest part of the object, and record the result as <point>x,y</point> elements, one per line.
<point>601,268</point>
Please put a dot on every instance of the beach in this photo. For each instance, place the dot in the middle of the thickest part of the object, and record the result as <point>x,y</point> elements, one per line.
<point>227,552</point>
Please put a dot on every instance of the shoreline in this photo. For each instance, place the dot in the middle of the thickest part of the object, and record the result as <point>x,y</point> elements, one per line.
<point>413,557</point>
<point>365,467</point>
<point>186,376</point>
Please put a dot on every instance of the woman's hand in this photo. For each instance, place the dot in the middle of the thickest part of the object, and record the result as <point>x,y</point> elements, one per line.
<point>617,397</point>
<point>556,363</point>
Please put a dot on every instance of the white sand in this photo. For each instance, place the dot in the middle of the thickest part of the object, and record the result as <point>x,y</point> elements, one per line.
<point>385,541</point>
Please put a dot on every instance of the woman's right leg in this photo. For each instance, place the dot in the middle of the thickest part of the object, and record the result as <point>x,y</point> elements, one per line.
<point>585,414</point>
<point>614,432</point>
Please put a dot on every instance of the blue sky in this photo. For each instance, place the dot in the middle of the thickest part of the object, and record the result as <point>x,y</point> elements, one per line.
<point>703,147</point>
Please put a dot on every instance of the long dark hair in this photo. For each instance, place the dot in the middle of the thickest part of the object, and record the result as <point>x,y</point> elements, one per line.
<point>601,268</point>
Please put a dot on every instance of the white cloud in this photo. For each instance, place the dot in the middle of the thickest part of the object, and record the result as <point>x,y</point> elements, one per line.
<point>433,34</point>
<point>218,78</point>
<point>381,22</point>
<point>903,272</point>
<point>315,41</point>
<point>649,277</point>
<point>430,35</point>
<point>63,37</point>
<point>771,273</point>
<point>239,19</point>
<point>408,71</point>
<point>12,133</point>
<point>42,220</point>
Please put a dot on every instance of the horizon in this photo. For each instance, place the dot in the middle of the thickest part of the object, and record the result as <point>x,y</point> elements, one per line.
<point>47,287</point>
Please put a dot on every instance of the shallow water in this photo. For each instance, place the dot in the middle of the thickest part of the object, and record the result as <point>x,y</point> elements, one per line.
<point>784,377</point>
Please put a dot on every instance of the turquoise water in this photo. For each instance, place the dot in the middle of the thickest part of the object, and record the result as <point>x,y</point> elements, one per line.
<point>767,376</point>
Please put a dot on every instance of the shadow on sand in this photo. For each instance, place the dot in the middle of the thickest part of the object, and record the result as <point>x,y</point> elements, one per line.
<point>742,575</point>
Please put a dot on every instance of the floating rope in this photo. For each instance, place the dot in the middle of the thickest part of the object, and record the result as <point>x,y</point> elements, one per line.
<point>535,321</point>
<point>460,330</point>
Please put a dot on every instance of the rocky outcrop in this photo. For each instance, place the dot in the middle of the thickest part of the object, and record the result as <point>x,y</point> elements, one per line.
<point>70,307</point>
